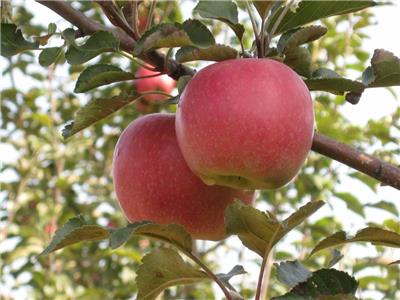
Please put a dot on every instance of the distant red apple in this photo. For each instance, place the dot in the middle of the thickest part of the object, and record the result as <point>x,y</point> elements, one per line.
<point>50,228</point>
<point>153,182</point>
<point>245,123</point>
<point>162,83</point>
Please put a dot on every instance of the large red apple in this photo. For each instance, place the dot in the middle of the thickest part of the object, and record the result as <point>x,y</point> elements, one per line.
<point>162,83</point>
<point>245,123</point>
<point>153,182</point>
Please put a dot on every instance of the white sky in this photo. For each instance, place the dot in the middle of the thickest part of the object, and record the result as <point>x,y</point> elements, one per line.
<point>374,104</point>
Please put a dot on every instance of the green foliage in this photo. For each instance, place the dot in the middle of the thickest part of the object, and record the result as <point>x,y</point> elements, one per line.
<point>49,56</point>
<point>299,36</point>
<point>212,53</point>
<point>163,268</point>
<point>190,33</point>
<point>324,282</point>
<point>172,234</point>
<point>96,110</point>
<point>309,11</point>
<point>292,273</point>
<point>100,42</point>
<point>75,231</point>
<point>259,231</point>
<point>12,41</point>
<point>376,236</point>
<point>98,75</point>
<point>225,11</point>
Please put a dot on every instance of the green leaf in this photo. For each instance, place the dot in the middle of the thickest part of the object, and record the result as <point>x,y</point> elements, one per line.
<point>225,277</point>
<point>324,282</point>
<point>182,82</point>
<point>213,53</point>
<point>329,81</point>
<point>336,257</point>
<point>256,229</point>
<point>51,28</point>
<point>225,11</point>
<point>263,7</point>
<point>352,203</point>
<point>198,33</point>
<point>309,11</point>
<point>291,273</point>
<point>74,231</point>
<point>96,110</point>
<point>69,36</point>
<point>384,70</point>
<point>387,206</point>
<point>173,234</point>
<point>374,235</point>
<point>163,268</point>
<point>98,75</point>
<point>12,41</point>
<point>337,86</point>
<point>49,56</point>
<point>99,42</point>
<point>120,236</point>
<point>299,59</point>
<point>299,36</point>
<point>190,33</point>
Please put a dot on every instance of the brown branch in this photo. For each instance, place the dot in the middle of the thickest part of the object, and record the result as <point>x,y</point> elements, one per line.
<point>365,163</point>
<point>329,147</point>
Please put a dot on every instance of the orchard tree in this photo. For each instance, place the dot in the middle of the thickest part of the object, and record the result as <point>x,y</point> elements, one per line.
<point>131,197</point>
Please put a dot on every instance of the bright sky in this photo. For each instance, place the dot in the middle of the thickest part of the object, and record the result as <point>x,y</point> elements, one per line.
<point>375,103</point>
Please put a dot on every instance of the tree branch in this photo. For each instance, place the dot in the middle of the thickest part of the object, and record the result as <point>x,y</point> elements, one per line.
<point>365,163</point>
<point>329,147</point>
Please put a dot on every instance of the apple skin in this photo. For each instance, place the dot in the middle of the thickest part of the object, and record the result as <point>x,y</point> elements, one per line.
<point>245,123</point>
<point>162,83</point>
<point>153,182</point>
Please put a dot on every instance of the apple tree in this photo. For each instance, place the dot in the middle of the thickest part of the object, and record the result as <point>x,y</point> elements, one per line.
<point>72,87</point>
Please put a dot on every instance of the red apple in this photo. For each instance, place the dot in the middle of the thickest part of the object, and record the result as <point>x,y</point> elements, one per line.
<point>153,182</point>
<point>245,123</point>
<point>162,83</point>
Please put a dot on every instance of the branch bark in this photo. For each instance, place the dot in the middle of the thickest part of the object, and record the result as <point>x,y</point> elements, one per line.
<point>365,163</point>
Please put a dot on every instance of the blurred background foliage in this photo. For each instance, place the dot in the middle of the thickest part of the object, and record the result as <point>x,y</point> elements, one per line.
<point>46,181</point>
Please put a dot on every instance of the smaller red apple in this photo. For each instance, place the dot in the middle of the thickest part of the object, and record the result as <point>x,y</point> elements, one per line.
<point>162,83</point>
<point>153,182</point>
<point>50,228</point>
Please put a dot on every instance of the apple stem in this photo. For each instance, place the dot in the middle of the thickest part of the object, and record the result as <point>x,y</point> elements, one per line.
<point>210,274</point>
<point>264,261</point>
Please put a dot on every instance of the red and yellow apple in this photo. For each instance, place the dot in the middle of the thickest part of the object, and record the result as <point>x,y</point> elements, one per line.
<point>153,182</point>
<point>245,123</point>
<point>162,83</point>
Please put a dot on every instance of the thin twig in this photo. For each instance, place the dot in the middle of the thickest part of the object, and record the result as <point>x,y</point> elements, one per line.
<point>264,261</point>
<point>116,17</point>
<point>135,18</point>
<point>150,15</point>
<point>277,23</point>
<point>255,29</point>
<point>210,274</point>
